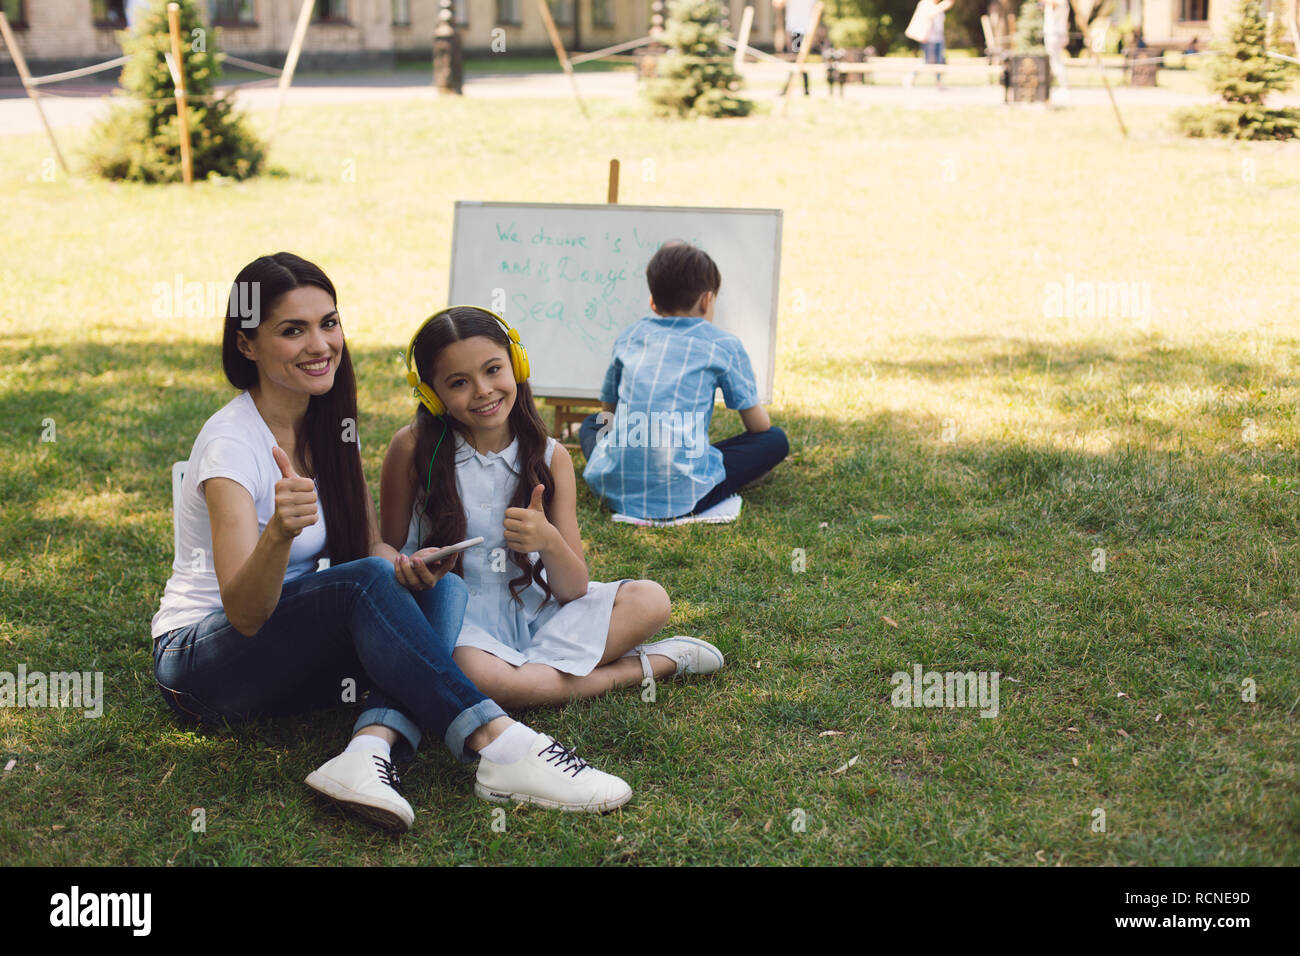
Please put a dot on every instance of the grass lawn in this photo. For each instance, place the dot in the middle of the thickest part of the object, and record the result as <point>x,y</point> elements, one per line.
<point>960,450</point>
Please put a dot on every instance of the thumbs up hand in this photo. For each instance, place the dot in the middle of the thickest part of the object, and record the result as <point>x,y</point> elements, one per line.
<point>527,528</point>
<point>295,498</point>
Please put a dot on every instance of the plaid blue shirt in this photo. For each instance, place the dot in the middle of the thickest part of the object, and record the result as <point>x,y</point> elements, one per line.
<point>654,459</point>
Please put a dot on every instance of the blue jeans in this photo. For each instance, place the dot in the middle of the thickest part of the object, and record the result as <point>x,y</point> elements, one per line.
<point>746,457</point>
<point>352,621</point>
<point>934,54</point>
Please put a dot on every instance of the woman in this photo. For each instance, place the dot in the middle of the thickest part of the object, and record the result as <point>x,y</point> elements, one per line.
<point>249,627</point>
<point>926,28</point>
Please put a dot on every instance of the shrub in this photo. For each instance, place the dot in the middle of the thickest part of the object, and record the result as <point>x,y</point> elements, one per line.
<point>1244,75</point>
<point>696,77</point>
<point>140,139</point>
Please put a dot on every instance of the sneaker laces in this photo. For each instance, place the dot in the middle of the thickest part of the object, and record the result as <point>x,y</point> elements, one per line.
<point>388,772</point>
<point>564,758</point>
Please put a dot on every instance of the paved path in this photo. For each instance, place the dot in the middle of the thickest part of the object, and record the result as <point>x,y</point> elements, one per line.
<point>90,101</point>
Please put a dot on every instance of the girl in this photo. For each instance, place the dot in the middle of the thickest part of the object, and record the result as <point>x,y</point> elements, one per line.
<point>477,462</point>
<point>249,627</point>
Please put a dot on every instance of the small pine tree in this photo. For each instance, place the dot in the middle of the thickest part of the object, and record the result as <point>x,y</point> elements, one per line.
<point>1029,30</point>
<point>1244,75</point>
<point>696,76</point>
<point>140,140</point>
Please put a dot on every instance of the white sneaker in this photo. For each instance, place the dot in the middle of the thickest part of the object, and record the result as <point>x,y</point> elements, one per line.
<point>365,783</point>
<point>692,655</point>
<point>551,775</point>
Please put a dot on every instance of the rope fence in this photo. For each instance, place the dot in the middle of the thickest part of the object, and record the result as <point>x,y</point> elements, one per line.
<point>281,77</point>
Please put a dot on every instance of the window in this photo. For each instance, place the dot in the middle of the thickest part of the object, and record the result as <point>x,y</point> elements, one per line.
<point>110,13</point>
<point>602,13</point>
<point>231,11</point>
<point>561,12</point>
<point>1194,10</point>
<point>401,13</point>
<point>14,11</point>
<point>330,11</point>
<point>460,12</point>
<point>508,12</point>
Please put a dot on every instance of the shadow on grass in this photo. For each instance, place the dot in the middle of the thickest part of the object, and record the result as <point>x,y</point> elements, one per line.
<point>968,537</point>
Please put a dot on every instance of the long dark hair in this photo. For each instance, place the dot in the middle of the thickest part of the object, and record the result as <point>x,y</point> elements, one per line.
<point>335,464</point>
<point>441,507</point>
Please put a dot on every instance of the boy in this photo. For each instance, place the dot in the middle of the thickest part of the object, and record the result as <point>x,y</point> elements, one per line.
<point>651,458</point>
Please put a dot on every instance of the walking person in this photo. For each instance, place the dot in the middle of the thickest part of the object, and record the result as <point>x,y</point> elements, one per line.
<point>1056,34</point>
<point>926,28</point>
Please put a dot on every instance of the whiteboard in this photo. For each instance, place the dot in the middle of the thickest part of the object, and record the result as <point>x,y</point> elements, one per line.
<point>570,278</point>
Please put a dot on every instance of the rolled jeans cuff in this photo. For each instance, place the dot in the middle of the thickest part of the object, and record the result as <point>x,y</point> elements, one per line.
<point>467,721</point>
<point>398,722</point>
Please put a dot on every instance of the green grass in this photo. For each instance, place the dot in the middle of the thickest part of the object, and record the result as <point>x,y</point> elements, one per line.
<point>919,248</point>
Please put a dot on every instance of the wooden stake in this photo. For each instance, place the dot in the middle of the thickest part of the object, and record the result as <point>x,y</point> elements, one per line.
<point>1113,105</point>
<point>174,27</point>
<point>613,181</point>
<point>291,62</point>
<point>802,55</point>
<point>742,41</point>
<point>563,57</point>
<point>20,62</point>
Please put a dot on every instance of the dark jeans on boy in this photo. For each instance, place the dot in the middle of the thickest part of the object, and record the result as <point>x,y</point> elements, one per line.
<point>746,457</point>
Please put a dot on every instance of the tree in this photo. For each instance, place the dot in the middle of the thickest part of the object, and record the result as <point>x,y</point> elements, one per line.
<point>696,76</point>
<point>140,139</point>
<point>1244,75</point>
<point>1029,30</point>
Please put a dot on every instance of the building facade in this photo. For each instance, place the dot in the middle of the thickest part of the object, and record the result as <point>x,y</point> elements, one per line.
<point>1177,22</point>
<point>62,34</point>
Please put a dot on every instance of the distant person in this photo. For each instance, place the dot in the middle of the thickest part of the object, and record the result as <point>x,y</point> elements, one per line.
<point>926,28</point>
<point>666,369</point>
<point>1056,34</point>
<point>136,10</point>
<point>1193,48</point>
<point>798,21</point>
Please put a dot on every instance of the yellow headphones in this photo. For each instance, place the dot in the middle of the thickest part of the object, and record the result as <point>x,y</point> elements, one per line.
<point>425,393</point>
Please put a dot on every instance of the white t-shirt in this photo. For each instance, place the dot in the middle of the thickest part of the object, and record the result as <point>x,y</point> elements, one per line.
<point>234,443</point>
<point>798,16</point>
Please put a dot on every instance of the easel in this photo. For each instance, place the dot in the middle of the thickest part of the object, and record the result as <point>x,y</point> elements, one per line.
<point>571,411</point>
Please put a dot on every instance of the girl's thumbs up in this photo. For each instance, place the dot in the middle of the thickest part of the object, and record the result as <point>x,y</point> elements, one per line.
<point>281,459</point>
<point>536,503</point>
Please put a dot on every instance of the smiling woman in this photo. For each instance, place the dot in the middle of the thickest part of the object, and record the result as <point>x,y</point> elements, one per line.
<point>249,626</point>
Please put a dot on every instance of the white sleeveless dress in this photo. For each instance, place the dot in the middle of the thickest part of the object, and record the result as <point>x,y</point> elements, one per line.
<point>570,637</point>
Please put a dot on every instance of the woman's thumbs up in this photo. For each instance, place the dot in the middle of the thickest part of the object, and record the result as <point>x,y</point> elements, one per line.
<point>295,498</point>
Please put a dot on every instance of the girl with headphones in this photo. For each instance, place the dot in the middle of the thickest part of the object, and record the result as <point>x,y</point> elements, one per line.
<point>249,626</point>
<point>477,462</point>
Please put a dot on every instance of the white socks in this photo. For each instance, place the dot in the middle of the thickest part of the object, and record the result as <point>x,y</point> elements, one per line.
<point>368,743</point>
<point>511,745</point>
